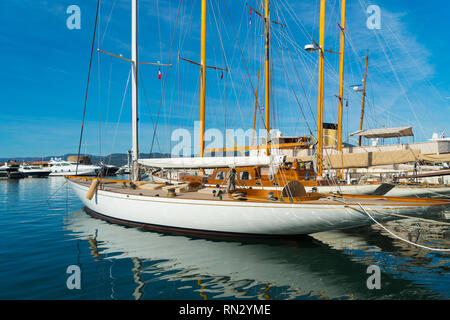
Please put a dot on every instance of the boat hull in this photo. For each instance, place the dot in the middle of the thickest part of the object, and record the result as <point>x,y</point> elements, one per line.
<point>421,191</point>
<point>232,218</point>
<point>36,174</point>
<point>90,172</point>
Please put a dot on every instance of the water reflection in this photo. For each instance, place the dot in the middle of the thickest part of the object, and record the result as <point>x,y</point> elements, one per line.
<point>325,266</point>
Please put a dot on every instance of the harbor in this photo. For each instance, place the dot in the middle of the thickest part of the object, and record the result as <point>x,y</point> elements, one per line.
<point>130,264</point>
<point>78,165</point>
<point>267,151</point>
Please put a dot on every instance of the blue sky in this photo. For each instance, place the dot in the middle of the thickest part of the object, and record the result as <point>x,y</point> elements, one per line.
<point>44,69</point>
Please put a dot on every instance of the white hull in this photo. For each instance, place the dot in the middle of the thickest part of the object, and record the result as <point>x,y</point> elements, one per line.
<point>63,168</point>
<point>235,217</point>
<point>435,192</point>
<point>70,172</point>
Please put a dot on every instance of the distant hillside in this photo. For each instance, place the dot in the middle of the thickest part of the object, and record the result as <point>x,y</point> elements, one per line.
<point>116,159</point>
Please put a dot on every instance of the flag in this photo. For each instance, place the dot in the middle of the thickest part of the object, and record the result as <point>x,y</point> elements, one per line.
<point>159,74</point>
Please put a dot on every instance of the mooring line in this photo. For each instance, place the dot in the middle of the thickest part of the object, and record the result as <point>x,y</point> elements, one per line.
<point>57,191</point>
<point>398,237</point>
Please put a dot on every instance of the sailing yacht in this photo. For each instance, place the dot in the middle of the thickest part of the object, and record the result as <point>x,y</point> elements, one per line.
<point>230,211</point>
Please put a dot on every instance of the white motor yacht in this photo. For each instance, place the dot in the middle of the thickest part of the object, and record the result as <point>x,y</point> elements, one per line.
<point>3,171</point>
<point>34,171</point>
<point>61,167</point>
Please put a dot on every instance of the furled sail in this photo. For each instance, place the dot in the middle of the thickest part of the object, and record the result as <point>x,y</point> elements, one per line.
<point>365,159</point>
<point>213,162</point>
<point>435,158</point>
<point>384,133</point>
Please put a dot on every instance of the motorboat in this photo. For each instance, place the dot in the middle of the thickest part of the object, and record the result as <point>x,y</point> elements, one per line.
<point>61,167</point>
<point>8,171</point>
<point>3,171</point>
<point>35,171</point>
<point>125,169</point>
<point>108,170</point>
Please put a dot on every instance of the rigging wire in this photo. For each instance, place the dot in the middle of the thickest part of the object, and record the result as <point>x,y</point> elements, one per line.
<point>165,79</point>
<point>87,85</point>
<point>99,94</point>
<point>107,23</point>
<point>142,86</point>
<point>293,91</point>
<point>120,115</point>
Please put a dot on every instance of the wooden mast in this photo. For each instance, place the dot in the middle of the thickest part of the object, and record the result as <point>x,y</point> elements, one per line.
<point>267,70</point>
<point>341,83</point>
<point>320,93</point>
<point>135,107</point>
<point>363,97</point>
<point>256,108</point>
<point>203,77</point>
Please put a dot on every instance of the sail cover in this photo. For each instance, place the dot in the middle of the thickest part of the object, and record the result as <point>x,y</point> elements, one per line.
<point>435,158</point>
<point>212,162</point>
<point>385,133</point>
<point>364,159</point>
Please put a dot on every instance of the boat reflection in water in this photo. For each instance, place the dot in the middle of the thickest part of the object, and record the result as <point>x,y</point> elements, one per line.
<point>324,266</point>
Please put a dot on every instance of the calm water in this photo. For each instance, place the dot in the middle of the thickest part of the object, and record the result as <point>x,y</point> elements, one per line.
<point>44,230</point>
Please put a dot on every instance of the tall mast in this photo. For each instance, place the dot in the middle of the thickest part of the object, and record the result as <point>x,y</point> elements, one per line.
<point>341,81</point>
<point>363,97</point>
<point>320,94</point>
<point>203,77</point>
<point>256,108</point>
<point>267,69</point>
<point>134,73</point>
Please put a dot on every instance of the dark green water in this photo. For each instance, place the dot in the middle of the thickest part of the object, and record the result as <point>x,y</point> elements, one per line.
<point>44,230</point>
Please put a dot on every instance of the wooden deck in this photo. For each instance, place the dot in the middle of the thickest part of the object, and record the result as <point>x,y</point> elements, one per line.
<point>152,189</point>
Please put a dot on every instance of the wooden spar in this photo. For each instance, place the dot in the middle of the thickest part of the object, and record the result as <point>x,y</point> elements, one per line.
<point>256,108</point>
<point>134,70</point>
<point>267,71</point>
<point>425,175</point>
<point>114,55</point>
<point>267,23</point>
<point>320,94</point>
<point>341,83</point>
<point>277,146</point>
<point>138,62</point>
<point>198,64</point>
<point>203,77</point>
<point>259,14</point>
<point>363,97</point>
